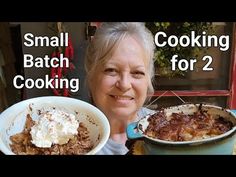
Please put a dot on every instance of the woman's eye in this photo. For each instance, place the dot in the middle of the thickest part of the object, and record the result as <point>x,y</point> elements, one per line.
<point>138,74</point>
<point>110,71</point>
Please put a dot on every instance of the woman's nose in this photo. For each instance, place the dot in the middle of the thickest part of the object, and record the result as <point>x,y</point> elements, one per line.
<point>124,83</point>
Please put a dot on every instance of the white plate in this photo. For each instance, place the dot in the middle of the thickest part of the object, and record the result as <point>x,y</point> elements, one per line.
<point>12,120</point>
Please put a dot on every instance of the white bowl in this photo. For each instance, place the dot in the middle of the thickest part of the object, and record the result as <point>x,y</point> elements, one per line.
<point>12,120</point>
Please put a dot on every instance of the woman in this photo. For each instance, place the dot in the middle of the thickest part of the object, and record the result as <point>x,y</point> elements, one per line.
<point>119,66</point>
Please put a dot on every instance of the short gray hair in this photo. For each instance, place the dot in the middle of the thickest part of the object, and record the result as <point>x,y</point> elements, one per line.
<point>106,38</point>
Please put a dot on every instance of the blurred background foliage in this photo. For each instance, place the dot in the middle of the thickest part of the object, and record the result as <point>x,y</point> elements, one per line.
<point>164,54</point>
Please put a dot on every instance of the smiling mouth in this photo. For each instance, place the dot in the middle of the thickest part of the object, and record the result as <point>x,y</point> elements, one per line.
<point>118,97</point>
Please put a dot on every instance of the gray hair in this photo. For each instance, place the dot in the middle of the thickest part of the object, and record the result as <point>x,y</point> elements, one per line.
<point>107,37</point>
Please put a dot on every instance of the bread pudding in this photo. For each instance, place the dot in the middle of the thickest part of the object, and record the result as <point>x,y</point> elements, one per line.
<point>183,127</point>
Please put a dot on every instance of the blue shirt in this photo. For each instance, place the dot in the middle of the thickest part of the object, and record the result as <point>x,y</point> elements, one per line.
<point>114,148</point>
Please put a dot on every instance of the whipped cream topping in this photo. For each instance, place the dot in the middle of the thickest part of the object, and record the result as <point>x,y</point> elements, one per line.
<point>54,127</point>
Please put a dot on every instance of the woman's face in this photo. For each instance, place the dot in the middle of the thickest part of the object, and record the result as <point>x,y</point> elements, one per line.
<point>119,88</point>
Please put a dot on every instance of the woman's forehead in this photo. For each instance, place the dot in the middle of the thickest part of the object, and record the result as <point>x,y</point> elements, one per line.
<point>129,50</point>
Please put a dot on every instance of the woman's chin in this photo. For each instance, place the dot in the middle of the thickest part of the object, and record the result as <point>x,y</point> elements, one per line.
<point>124,113</point>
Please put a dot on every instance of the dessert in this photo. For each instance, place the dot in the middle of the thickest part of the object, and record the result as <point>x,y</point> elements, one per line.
<point>183,127</point>
<point>54,133</point>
